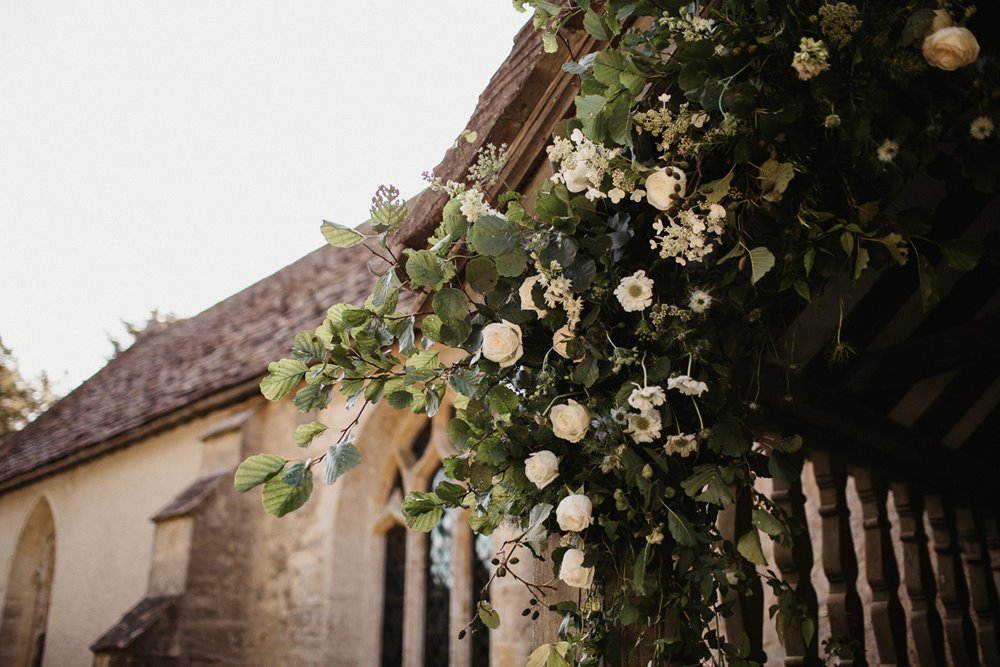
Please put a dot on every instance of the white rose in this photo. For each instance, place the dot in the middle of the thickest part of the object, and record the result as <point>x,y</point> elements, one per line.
<point>574,513</point>
<point>570,421</point>
<point>527,300</point>
<point>572,571</point>
<point>502,343</point>
<point>951,48</point>
<point>541,468</point>
<point>578,178</point>
<point>560,338</point>
<point>662,184</point>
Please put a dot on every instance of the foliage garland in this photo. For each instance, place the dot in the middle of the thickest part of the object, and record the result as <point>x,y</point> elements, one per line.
<point>725,163</point>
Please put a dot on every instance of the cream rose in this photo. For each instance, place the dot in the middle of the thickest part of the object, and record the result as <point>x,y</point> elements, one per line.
<point>570,421</point>
<point>950,48</point>
<point>560,338</point>
<point>502,343</point>
<point>662,184</point>
<point>573,572</point>
<point>574,513</point>
<point>527,300</point>
<point>541,468</point>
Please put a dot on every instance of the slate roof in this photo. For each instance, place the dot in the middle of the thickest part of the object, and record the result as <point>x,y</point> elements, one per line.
<point>226,346</point>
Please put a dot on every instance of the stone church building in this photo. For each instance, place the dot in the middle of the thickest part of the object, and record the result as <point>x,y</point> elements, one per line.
<point>122,540</point>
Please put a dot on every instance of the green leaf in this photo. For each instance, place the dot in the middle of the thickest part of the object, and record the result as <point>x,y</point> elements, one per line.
<point>307,345</point>
<point>706,485</point>
<point>961,255</point>
<point>808,630</point>
<point>424,360</point>
<point>339,459</point>
<point>503,399</point>
<point>492,235</point>
<point>749,547</point>
<point>766,522</point>
<point>481,272</point>
<point>639,571</point>
<point>512,263</point>
<point>388,211</point>
<point>304,433</point>
<point>295,474</point>
<point>715,191</point>
<point>586,373</point>
<point>341,237</point>
<point>488,615</point>
<point>284,375</point>
<point>426,269</point>
<point>313,397</point>
<point>549,43</point>
<point>774,178</point>
<point>929,292</point>
<point>861,262</point>
<point>790,444</point>
<point>594,24</point>
<point>422,510</point>
<point>784,467</point>
<point>256,470</point>
<point>681,529</point>
<point>451,305</point>
<point>281,498</point>
<point>761,261</point>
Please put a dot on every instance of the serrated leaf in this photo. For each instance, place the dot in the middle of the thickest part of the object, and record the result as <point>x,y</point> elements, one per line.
<point>424,360</point>
<point>422,510</point>
<point>481,272</point>
<point>304,433</point>
<point>594,24</point>
<point>256,470</point>
<point>313,397</point>
<point>388,211</point>
<point>284,375</point>
<point>341,237</point>
<point>749,547</point>
<point>339,459</point>
<point>281,498</point>
<point>706,485</point>
<point>451,305</point>
<point>295,474</point>
<point>492,235</point>
<point>503,399</point>
<point>426,269</point>
<point>761,261</point>
<point>586,373</point>
<point>307,345</point>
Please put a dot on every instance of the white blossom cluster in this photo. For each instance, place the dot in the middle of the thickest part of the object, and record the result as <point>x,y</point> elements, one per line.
<point>581,164</point>
<point>688,236</point>
<point>474,206</point>
<point>490,161</point>
<point>689,24</point>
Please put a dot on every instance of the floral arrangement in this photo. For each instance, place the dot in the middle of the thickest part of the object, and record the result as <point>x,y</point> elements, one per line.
<point>724,163</point>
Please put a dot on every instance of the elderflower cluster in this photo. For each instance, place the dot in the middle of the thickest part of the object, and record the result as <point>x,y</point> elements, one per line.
<point>474,206</point>
<point>581,164</point>
<point>662,123</point>
<point>811,58</point>
<point>688,237</point>
<point>490,162</point>
<point>839,22</point>
<point>689,24</point>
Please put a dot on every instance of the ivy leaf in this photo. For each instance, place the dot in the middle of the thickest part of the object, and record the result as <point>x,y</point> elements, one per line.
<point>761,261</point>
<point>280,498</point>
<point>706,485</point>
<point>492,235</point>
<point>749,547</point>
<point>339,459</point>
<point>422,510</point>
<point>341,237</point>
<point>488,615</point>
<point>766,522</point>
<point>256,470</point>
<point>304,433</point>
<point>426,269</point>
<point>284,375</point>
<point>451,305</point>
<point>549,655</point>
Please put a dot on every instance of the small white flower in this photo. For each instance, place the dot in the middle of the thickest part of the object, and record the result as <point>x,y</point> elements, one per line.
<point>700,301</point>
<point>572,571</point>
<point>616,195</point>
<point>570,421</point>
<point>635,292</point>
<point>574,513</point>
<point>716,212</point>
<point>887,151</point>
<point>981,128</point>
<point>647,398</point>
<point>687,385</point>
<point>644,426</point>
<point>682,445</point>
<point>699,119</point>
<point>527,300</point>
<point>541,468</point>
<point>637,195</point>
<point>502,343</point>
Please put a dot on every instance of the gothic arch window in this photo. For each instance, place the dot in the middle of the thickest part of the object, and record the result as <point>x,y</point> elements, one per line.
<point>29,590</point>
<point>431,581</point>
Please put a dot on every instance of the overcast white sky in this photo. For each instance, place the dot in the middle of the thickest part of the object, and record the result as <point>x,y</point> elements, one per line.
<point>166,154</point>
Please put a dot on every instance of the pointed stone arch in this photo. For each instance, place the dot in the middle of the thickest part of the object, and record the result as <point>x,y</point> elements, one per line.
<point>29,590</point>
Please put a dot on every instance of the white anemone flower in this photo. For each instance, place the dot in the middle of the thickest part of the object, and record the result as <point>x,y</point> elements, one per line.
<point>635,292</point>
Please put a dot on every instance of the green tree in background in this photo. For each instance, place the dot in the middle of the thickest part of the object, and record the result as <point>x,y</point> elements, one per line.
<point>20,400</point>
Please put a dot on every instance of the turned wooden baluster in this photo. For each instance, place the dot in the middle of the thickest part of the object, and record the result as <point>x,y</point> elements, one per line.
<point>748,612</point>
<point>839,562</point>
<point>795,565</point>
<point>951,585</point>
<point>977,572</point>
<point>888,621</point>
<point>918,576</point>
<point>993,549</point>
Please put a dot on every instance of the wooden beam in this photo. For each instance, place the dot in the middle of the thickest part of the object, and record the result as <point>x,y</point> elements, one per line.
<point>903,364</point>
